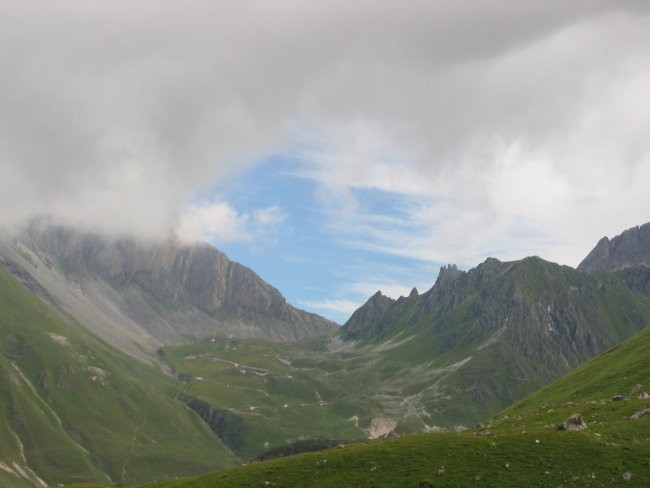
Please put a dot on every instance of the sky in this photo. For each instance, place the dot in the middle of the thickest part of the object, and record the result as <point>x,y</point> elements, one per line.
<point>335,147</point>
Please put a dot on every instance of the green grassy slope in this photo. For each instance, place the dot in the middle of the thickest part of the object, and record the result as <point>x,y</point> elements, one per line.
<point>519,447</point>
<point>622,371</point>
<point>259,398</point>
<point>73,408</point>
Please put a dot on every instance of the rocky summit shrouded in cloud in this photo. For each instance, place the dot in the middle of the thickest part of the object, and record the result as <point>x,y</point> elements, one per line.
<point>496,128</point>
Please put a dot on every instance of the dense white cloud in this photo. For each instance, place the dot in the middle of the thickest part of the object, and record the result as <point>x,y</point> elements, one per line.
<point>219,223</point>
<point>539,148</point>
<point>502,127</point>
<point>212,222</point>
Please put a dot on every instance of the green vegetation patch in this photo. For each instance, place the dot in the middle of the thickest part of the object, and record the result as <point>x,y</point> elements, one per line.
<point>76,409</point>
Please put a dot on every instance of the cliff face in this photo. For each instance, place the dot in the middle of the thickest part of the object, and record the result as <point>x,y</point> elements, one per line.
<point>174,278</point>
<point>627,250</point>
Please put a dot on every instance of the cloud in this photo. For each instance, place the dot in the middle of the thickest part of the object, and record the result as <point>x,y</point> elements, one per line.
<point>119,114</point>
<point>212,222</point>
<point>343,307</point>
<point>269,216</point>
<point>495,127</point>
<point>535,149</point>
<point>218,222</point>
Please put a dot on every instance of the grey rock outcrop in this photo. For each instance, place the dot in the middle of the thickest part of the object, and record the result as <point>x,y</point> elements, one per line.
<point>629,249</point>
<point>448,275</point>
<point>381,427</point>
<point>574,422</point>
<point>640,414</point>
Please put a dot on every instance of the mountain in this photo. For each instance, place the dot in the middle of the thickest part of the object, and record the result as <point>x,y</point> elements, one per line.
<point>138,295</point>
<point>630,249</point>
<point>371,315</point>
<point>75,409</point>
<point>479,340</point>
<point>473,344</point>
<point>520,446</point>
<point>443,360</point>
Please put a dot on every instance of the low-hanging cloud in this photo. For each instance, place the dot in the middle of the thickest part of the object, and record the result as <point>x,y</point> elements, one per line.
<point>487,117</point>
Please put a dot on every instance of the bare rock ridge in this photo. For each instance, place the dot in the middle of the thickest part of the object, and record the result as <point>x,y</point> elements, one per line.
<point>195,288</point>
<point>448,274</point>
<point>629,249</point>
<point>370,315</point>
<point>529,321</point>
<point>494,333</point>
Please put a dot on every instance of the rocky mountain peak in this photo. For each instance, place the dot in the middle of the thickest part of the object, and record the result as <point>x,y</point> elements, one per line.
<point>448,275</point>
<point>366,319</point>
<point>378,296</point>
<point>629,249</point>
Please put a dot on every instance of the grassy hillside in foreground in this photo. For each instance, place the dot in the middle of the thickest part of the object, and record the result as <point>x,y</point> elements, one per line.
<point>520,447</point>
<point>74,409</point>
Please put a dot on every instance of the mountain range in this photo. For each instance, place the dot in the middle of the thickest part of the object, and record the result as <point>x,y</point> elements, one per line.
<point>127,334</point>
<point>479,340</point>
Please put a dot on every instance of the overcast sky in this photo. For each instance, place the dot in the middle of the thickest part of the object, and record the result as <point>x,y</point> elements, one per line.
<point>336,147</point>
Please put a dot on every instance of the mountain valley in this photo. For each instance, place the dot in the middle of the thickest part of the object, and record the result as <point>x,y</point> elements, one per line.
<point>520,446</point>
<point>105,340</point>
<point>444,360</point>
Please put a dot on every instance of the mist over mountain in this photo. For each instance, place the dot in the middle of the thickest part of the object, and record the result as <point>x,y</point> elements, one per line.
<point>132,291</point>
